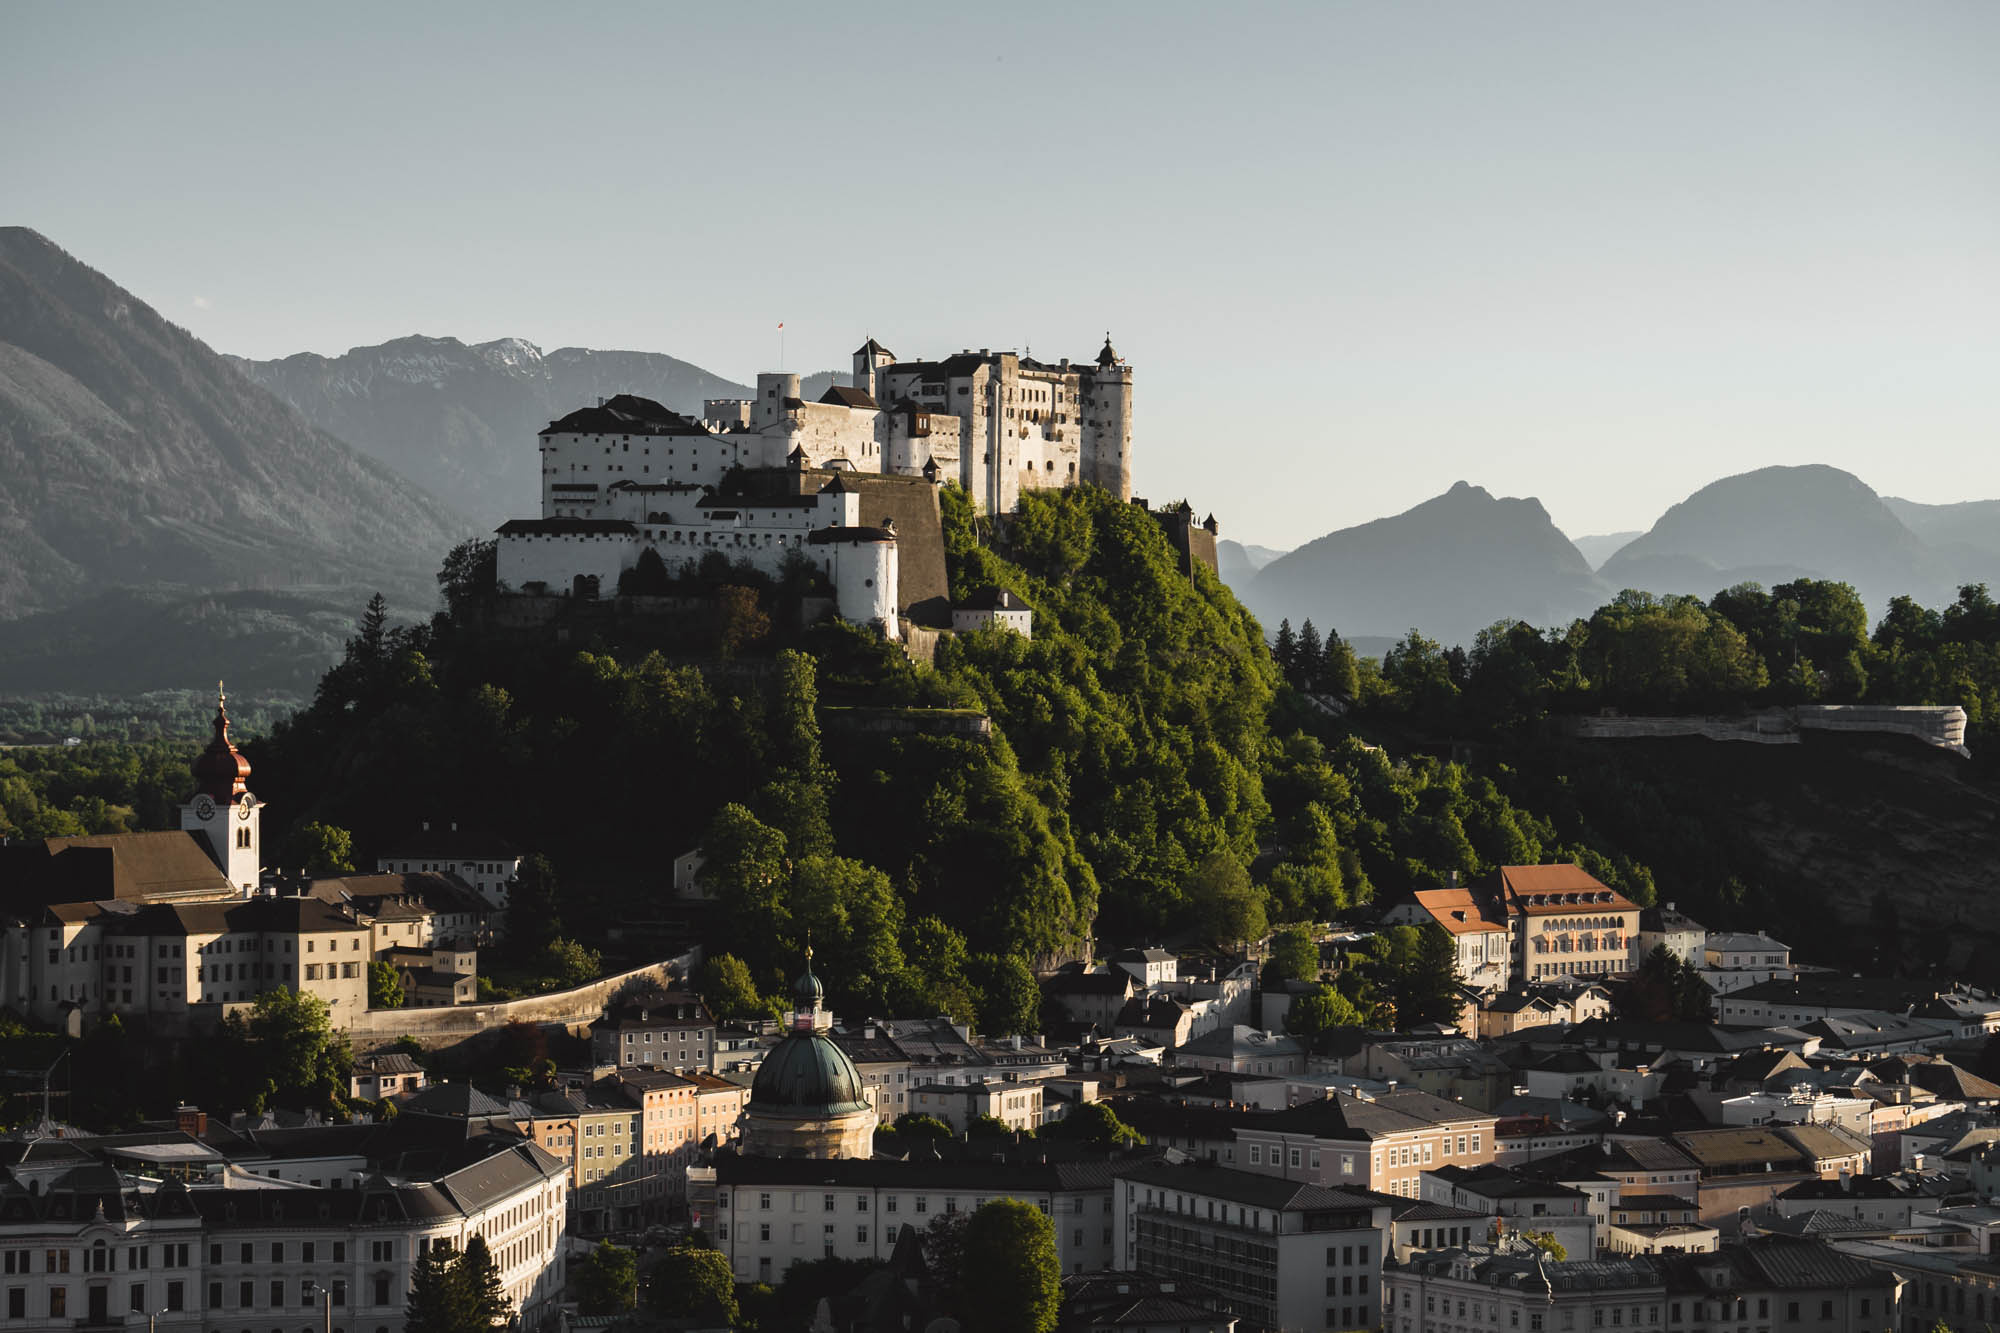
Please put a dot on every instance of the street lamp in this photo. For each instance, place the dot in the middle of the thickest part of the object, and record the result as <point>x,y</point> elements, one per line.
<point>325,1299</point>
<point>152,1319</point>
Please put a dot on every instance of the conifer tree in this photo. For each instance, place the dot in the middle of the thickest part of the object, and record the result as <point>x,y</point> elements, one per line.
<point>477,1278</point>
<point>436,1303</point>
<point>1339,673</point>
<point>1285,652</point>
<point>1305,662</point>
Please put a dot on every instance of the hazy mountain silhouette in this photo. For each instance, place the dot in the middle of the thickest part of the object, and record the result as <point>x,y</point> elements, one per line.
<point>1600,548</point>
<point>1969,527</point>
<point>1783,523</point>
<point>131,455</point>
<point>462,420</point>
<point>1238,564</point>
<point>1449,567</point>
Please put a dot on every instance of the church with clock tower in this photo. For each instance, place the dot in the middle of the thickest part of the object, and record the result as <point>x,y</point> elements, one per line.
<point>223,814</point>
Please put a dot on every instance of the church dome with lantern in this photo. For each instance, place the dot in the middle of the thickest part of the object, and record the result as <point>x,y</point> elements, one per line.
<point>808,1099</point>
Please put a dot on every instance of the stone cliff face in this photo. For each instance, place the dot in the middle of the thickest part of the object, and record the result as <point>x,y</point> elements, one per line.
<point>1817,842</point>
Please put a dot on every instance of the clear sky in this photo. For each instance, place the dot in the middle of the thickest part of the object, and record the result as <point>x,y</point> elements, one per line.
<point>1597,253</point>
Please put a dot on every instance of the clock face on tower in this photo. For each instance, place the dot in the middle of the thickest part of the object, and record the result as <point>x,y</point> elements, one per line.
<point>244,804</point>
<point>204,808</point>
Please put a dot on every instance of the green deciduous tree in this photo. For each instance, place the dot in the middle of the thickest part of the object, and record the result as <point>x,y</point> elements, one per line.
<point>917,1125</point>
<point>1321,1010</point>
<point>385,986</point>
<point>1015,1286</point>
<point>1092,1122</point>
<point>727,987</point>
<point>1226,907</point>
<point>607,1282</point>
<point>1009,1000</point>
<point>318,849</point>
<point>689,1282</point>
<point>1294,955</point>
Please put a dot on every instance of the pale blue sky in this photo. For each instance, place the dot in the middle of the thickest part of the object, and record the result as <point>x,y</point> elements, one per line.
<point>1596,253</point>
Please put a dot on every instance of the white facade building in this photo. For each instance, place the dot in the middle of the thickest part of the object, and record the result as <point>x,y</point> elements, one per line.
<point>1282,1254</point>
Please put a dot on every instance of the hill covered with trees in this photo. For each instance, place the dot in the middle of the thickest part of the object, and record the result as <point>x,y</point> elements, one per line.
<point>1146,772</point>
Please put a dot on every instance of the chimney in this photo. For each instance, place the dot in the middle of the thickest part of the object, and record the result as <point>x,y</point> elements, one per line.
<point>191,1120</point>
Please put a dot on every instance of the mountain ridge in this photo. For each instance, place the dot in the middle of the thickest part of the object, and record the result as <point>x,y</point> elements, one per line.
<point>132,455</point>
<point>1449,566</point>
<point>462,418</point>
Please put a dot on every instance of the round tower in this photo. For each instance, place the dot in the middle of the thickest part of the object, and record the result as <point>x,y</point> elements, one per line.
<point>808,1099</point>
<point>1106,456</point>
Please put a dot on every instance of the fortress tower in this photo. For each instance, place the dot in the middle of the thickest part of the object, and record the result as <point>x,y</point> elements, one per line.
<point>1107,423</point>
<point>869,358</point>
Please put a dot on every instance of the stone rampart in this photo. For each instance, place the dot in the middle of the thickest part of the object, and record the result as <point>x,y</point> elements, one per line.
<point>1943,727</point>
<point>445,1024</point>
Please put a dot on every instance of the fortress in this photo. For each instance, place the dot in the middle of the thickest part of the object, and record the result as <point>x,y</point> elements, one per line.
<point>774,479</point>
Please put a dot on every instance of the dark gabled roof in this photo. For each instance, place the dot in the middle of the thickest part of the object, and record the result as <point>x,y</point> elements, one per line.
<point>1250,1188</point>
<point>1497,1182</point>
<point>1952,1083</point>
<point>1409,1210</point>
<point>626,414</point>
<point>1759,1066</point>
<point>871,346</point>
<point>563,527</point>
<point>1089,983</point>
<point>999,599</point>
<point>454,1099</point>
<point>849,536</point>
<point>845,397</point>
<point>291,914</point>
<point>130,867</point>
<point>1150,1011</point>
<point>440,891</point>
<point>1158,1118</point>
<point>1821,988</point>
<point>1346,1117</point>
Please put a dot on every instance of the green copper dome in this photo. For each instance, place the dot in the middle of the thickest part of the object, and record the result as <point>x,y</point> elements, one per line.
<point>807,1077</point>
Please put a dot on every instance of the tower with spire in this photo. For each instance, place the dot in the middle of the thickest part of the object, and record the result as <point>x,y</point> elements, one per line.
<point>223,813</point>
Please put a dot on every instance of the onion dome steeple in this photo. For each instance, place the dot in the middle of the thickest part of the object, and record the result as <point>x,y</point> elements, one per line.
<point>221,772</point>
<point>1109,356</point>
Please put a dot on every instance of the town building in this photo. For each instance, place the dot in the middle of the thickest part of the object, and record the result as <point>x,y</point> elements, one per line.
<point>484,862</point>
<point>993,608</point>
<point>1280,1253</point>
<point>1782,1284</point>
<point>1478,929</point>
<point>386,1077</point>
<point>1522,1202</point>
<point>1733,959</point>
<point>1524,924</point>
<point>664,1031</point>
<point>773,1212</point>
<point>1381,1142</point>
<point>1665,926</point>
<point>192,1229</point>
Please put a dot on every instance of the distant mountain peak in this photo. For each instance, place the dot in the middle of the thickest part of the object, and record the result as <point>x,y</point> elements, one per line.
<point>1449,566</point>
<point>219,485</point>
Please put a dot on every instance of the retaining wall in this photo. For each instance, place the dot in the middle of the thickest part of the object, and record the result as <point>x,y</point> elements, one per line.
<point>436,1026</point>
